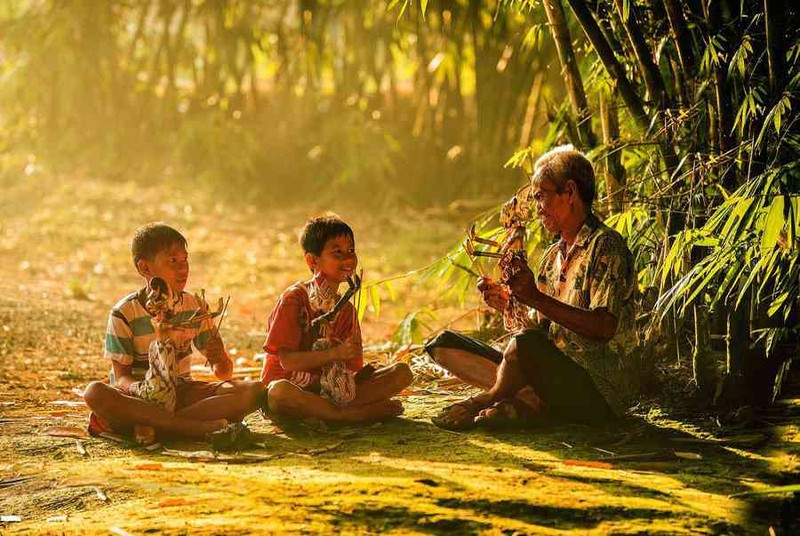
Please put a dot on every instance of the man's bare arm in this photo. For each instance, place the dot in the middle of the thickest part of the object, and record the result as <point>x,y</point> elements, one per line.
<point>598,324</point>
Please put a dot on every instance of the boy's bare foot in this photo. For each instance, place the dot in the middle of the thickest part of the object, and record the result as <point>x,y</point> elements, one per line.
<point>376,412</point>
<point>203,428</point>
<point>144,435</point>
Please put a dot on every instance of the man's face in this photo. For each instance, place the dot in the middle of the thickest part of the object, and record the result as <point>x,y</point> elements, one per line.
<point>170,264</point>
<point>337,261</point>
<point>552,206</point>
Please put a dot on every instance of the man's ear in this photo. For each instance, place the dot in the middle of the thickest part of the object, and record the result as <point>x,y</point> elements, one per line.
<point>143,267</point>
<point>311,261</point>
<point>571,187</point>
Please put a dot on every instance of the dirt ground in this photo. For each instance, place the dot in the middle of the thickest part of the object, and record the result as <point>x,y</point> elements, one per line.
<point>64,262</point>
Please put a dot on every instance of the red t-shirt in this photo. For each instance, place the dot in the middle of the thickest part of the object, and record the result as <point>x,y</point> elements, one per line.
<point>289,330</point>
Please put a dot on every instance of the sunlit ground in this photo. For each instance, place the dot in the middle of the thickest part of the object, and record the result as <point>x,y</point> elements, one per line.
<point>64,261</point>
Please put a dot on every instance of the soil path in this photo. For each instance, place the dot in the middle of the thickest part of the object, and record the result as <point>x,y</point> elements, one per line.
<point>64,261</point>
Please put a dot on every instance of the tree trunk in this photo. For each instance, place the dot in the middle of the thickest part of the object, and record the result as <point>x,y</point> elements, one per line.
<point>570,71</point>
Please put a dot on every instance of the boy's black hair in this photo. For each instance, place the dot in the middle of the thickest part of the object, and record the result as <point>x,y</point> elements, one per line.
<point>154,237</point>
<point>317,231</point>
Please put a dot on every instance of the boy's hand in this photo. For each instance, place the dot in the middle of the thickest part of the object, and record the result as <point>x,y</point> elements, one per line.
<point>347,350</point>
<point>494,294</point>
<point>223,369</point>
<point>221,364</point>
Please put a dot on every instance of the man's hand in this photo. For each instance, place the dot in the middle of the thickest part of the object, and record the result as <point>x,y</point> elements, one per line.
<point>523,283</point>
<point>494,294</point>
<point>347,350</point>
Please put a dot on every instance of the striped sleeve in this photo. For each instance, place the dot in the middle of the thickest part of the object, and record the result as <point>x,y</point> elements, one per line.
<point>206,330</point>
<point>119,339</point>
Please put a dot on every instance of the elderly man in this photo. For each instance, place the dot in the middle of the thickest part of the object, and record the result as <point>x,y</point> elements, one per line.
<point>578,370</point>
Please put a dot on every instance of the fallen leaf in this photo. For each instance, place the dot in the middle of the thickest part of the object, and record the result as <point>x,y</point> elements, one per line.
<point>321,450</point>
<point>8,482</point>
<point>149,467</point>
<point>69,403</point>
<point>66,431</point>
<point>100,494</point>
<point>173,502</point>
<point>588,463</point>
<point>688,455</point>
<point>80,448</point>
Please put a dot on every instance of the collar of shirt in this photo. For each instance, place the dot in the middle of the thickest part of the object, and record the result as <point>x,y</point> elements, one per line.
<point>581,239</point>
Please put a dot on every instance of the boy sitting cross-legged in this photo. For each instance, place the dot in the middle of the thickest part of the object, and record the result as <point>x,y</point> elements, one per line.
<point>149,343</point>
<point>314,365</point>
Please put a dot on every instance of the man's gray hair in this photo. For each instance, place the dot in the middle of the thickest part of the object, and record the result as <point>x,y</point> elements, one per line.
<point>564,163</point>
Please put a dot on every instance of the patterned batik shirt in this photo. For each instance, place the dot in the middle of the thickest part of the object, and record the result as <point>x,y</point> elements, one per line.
<point>130,332</point>
<point>596,272</point>
<point>289,330</point>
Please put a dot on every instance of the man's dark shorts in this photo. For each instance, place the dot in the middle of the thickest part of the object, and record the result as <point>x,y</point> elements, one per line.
<point>567,390</point>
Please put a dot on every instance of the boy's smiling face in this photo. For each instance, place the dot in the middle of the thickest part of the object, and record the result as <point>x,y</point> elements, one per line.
<point>170,264</point>
<point>337,261</point>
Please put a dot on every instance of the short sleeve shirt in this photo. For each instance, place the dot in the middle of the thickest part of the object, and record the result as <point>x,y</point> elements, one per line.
<point>289,330</point>
<point>597,272</point>
<point>130,332</point>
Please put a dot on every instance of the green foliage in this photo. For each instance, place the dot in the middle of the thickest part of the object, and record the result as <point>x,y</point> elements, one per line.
<point>754,238</point>
<point>410,329</point>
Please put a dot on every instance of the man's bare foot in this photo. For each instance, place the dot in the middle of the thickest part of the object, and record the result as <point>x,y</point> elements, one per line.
<point>461,415</point>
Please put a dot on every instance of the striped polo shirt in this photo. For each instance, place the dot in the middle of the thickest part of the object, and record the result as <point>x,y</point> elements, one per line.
<point>130,332</point>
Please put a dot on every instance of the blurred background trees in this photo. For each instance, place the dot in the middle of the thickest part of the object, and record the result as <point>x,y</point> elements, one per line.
<point>687,107</point>
<point>280,100</point>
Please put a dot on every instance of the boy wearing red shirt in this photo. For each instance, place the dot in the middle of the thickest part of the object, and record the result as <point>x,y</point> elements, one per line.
<point>312,370</point>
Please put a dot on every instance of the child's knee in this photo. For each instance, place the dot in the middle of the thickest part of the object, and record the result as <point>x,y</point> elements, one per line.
<point>256,394</point>
<point>95,394</point>
<point>403,375</point>
<point>278,394</point>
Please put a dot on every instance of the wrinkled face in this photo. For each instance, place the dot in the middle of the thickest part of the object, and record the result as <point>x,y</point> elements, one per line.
<point>170,264</point>
<point>552,205</point>
<point>337,261</point>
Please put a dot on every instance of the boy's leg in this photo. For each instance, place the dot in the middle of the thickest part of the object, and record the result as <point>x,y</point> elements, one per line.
<point>230,400</point>
<point>285,398</point>
<point>123,411</point>
<point>383,385</point>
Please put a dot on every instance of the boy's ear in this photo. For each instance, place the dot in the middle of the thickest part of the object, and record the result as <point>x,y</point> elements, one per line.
<point>311,261</point>
<point>143,267</point>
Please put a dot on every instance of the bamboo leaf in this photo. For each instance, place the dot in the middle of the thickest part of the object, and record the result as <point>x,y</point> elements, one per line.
<point>375,299</point>
<point>773,223</point>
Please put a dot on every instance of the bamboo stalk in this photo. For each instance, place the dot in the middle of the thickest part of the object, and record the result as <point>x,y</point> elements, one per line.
<point>644,57</point>
<point>614,171</point>
<point>683,40</point>
<point>569,69</point>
